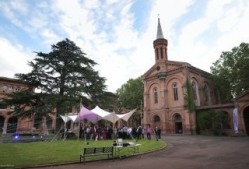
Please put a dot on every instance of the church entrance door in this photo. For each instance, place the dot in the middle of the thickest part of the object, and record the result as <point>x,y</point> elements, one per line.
<point>178,127</point>
<point>178,123</point>
<point>246,120</point>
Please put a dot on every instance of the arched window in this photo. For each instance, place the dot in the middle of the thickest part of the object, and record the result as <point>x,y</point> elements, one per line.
<point>194,90</point>
<point>37,122</point>
<point>12,125</point>
<point>165,52</point>
<point>161,49</point>
<point>155,93</point>
<point>206,94</point>
<point>175,91</point>
<point>3,105</point>
<point>157,54</point>
<point>177,117</point>
<point>49,122</point>
<point>156,118</point>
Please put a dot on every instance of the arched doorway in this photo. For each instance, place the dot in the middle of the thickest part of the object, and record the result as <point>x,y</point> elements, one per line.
<point>59,124</point>
<point>246,120</point>
<point>37,122</point>
<point>178,123</point>
<point>12,125</point>
<point>156,121</point>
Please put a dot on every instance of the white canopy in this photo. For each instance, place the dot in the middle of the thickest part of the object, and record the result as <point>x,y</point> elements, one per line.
<point>68,118</point>
<point>126,116</point>
<point>97,114</point>
<point>100,112</point>
<point>73,117</point>
<point>112,117</point>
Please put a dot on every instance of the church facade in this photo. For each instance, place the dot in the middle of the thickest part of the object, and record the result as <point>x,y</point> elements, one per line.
<point>165,91</point>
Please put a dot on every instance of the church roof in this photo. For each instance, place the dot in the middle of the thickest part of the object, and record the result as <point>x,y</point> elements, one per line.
<point>245,93</point>
<point>8,79</point>
<point>175,65</point>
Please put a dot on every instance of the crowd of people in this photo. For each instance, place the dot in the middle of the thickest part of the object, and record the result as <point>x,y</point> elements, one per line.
<point>94,132</point>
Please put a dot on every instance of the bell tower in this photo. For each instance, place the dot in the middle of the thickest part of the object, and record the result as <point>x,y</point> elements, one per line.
<point>160,45</point>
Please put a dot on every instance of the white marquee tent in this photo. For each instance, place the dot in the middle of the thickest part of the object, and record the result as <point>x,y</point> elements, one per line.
<point>97,114</point>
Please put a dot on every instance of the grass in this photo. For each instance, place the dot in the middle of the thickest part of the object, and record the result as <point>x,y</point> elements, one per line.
<point>16,155</point>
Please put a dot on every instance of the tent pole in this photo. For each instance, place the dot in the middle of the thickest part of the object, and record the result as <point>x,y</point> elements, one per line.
<point>113,126</point>
<point>79,122</point>
<point>79,130</point>
<point>65,127</point>
<point>84,130</point>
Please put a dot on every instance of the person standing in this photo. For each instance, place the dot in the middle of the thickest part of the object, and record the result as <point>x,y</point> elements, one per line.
<point>148,132</point>
<point>157,133</point>
<point>139,133</point>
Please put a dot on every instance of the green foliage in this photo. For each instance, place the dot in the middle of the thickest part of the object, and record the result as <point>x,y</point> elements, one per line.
<point>214,121</point>
<point>130,95</point>
<point>25,102</point>
<point>63,77</point>
<point>107,101</point>
<point>189,97</point>
<point>231,73</point>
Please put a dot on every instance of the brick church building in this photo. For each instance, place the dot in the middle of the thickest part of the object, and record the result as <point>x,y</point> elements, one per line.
<point>165,93</point>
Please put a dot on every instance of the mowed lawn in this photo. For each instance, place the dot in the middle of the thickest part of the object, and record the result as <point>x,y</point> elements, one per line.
<point>16,155</point>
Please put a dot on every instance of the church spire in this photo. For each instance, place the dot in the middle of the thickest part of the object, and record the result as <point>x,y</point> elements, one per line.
<point>159,34</point>
<point>160,45</point>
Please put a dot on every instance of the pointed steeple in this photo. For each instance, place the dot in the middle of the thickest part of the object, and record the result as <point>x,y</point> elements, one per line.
<point>159,34</point>
<point>160,45</point>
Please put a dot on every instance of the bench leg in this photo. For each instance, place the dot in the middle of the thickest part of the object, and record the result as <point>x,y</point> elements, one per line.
<point>82,158</point>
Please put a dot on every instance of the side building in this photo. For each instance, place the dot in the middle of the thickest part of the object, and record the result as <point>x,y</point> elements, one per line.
<point>12,124</point>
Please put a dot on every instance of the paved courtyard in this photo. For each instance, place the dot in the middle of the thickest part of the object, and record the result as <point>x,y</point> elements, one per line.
<point>183,152</point>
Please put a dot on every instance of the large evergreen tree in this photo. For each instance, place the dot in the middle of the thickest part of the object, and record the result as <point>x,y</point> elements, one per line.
<point>62,78</point>
<point>231,72</point>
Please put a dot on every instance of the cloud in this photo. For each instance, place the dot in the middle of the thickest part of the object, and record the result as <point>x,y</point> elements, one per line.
<point>102,31</point>
<point>202,40</point>
<point>13,57</point>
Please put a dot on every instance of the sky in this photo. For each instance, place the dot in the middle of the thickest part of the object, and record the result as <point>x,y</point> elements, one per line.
<point>118,34</point>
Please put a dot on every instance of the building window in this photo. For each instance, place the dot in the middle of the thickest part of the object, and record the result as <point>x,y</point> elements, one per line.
<point>165,53</point>
<point>4,87</point>
<point>3,105</point>
<point>155,93</point>
<point>157,54</point>
<point>178,117</point>
<point>194,90</point>
<point>175,91</point>
<point>161,49</point>
<point>156,118</point>
<point>206,94</point>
